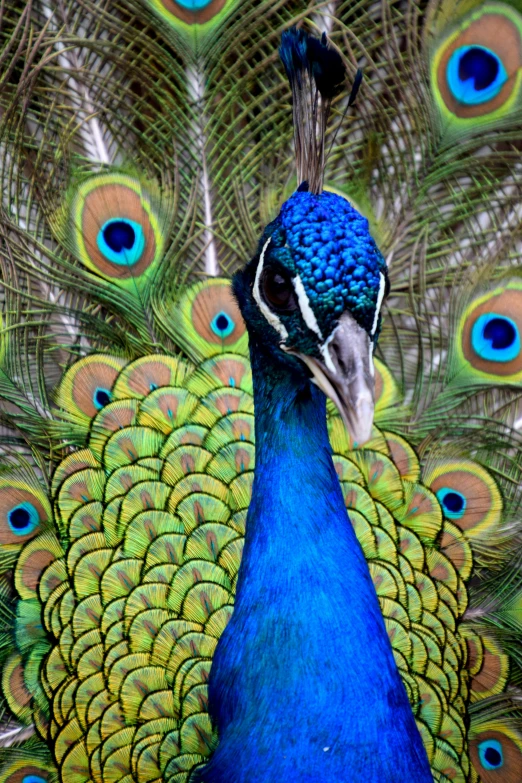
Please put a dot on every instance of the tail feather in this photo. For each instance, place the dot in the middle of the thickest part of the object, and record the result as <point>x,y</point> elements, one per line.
<point>143,146</point>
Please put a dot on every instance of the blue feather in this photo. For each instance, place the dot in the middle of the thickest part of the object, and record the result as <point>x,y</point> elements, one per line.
<point>304,684</point>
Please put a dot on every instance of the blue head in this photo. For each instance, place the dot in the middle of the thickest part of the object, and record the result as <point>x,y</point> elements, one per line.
<point>312,299</point>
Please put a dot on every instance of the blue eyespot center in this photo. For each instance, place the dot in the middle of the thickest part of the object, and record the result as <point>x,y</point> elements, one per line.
<point>119,235</point>
<point>490,754</point>
<point>101,398</point>
<point>222,325</point>
<point>453,502</point>
<point>23,518</point>
<point>475,75</point>
<point>495,338</point>
<point>493,757</point>
<point>33,779</point>
<point>501,332</point>
<point>19,518</point>
<point>193,5</point>
<point>480,65</point>
<point>121,241</point>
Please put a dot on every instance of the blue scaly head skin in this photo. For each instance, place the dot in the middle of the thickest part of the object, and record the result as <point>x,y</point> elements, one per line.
<point>314,291</point>
<point>329,246</point>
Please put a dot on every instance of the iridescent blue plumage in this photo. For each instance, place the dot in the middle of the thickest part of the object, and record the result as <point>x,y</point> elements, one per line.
<point>379,600</point>
<point>101,397</point>
<point>306,645</point>
<point>335,256</point>
<point>303,685</point>
<point>454,503</point>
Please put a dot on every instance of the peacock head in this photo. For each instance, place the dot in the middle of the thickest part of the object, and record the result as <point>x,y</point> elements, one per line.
<point>313,293</point>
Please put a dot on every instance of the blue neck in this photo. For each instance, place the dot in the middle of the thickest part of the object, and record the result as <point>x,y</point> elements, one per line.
<point>303,686</point>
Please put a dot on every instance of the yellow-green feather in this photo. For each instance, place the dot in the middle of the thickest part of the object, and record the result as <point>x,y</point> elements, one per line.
<point>143,584</point>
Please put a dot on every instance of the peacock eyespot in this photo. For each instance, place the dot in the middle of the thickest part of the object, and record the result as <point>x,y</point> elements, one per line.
<point>475,75</point>
<point>222,325</point>
<point>213,314</point>
<point>490,754</point>
<point>101,398</point>
<point>453,503</point>
<point>475,69</point>
<point>277,290</point>
<point>121,241</point>
<point>193,5</point>
<point>495,338</point>
<point>189,12</point>
<point>23,519</point>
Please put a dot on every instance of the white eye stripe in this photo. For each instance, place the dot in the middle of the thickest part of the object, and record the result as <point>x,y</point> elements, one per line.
<point>380,297</point>
<point>271,317</point>
<point>304,306</point>
<point>306,311</point>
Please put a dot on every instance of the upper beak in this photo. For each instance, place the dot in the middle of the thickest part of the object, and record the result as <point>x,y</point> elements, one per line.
<point>346,375</point>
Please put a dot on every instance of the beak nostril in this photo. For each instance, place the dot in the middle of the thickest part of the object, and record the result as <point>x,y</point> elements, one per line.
<point>342,364</point>
<point>341,355</point>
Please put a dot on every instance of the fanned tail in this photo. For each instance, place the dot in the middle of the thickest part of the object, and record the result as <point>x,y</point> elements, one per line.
<point>133,138</point>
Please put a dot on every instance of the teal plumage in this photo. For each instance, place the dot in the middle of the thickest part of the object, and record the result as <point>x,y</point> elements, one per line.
<point>146,148</point>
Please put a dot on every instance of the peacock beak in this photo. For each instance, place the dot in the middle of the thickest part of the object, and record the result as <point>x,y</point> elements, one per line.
<point>346,375</point>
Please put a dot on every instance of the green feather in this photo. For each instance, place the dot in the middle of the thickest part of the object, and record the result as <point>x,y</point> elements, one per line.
<point>497,29</point>
<point>126,408</point>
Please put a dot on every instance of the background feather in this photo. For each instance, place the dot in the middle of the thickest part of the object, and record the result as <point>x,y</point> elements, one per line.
<point>191,110</point>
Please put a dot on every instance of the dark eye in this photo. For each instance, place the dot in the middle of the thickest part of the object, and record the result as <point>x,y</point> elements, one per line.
<point>278,290</point>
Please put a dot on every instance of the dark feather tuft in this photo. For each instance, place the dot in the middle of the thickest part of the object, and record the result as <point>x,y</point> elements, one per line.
<point>327,67</point>
<point>316,73</point>
<point>293,54</point>
<point>355,87</point>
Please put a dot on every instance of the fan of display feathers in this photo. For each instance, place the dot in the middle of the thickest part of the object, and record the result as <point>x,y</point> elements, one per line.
<point>144,146</point>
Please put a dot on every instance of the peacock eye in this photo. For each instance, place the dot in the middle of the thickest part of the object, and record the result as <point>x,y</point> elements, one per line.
<point>121,241</point>
<point>101,397</point>
<point>23,518</point>
<point>490,754</point>
<point>278,290</point>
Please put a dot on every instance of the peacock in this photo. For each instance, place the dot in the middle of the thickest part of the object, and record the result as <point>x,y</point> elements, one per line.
<point>260,371</point>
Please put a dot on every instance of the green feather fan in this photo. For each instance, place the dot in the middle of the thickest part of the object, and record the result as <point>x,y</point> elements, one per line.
<point>144,146</point>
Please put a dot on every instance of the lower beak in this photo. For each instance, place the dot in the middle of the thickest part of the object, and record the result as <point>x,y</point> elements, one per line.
<point>346,375</point>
